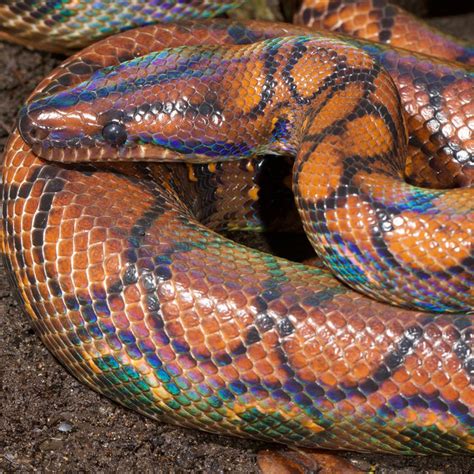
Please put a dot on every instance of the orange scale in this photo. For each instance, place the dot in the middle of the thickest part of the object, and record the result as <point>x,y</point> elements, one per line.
<point>166,353</point>
<point>420,377</point>
<point>408,389</point>
<point>174,329</point>
<point>326,405</point>
<point>467,396</point>
<point>412,363</point>
<point>216,342</point>
<point>65,281</point>
<point>446,422</point>
<point>85,223</point>
<point>96,273</point>
<point>80,258</point>
<point>256,352</point>
<point>45,293</point>
<point>185,299</point>
<point>263,368</point>
<point>76,319</point>
<point>115,303</point>
<point>208,368</point>
<point>359,401</point>
<point>195,337</point>
<point>218,292</point>
<point>430,390</point>
<point>460,381</point>
<point>229,373</point>
<point>131,294</point>
<point>357,324</point>
<point>376,400</point>
<point>120,321</point>
<point>452,363</point>
<point>388,388</point>
<point>346,407</point>
<point>60,308</point>
<point>80,280</point>
<point>190,319</point>
<point>309,185</point>
<point>292,346</point>
<point>320,65</point>
<point>181,280</point>
<point>243,363</point>
<point>278,307</point>
<point>112,246</point>
<point>360,371</point>
<point>170,311</point>
<point>204,306</point>
<point>25,224</point>
<point>427,418</point>
<point>55,323</point>
<point>328,379</point>
<point>337,320</point>
<point>16,209</point>
<point>299,361</point>
<point>51,234</point>
<point>450,394</point>
<point>340,368</point>
<point>96,253</point>
<point>210,326</point>
<point>140,331</point>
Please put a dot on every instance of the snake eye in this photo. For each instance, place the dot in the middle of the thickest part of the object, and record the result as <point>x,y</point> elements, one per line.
<point>114,133</point>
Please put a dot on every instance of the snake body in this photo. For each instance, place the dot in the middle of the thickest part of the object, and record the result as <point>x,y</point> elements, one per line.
<point>146,305</point>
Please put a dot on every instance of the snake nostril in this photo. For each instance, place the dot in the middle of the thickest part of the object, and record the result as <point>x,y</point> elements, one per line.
<point>29,131</point>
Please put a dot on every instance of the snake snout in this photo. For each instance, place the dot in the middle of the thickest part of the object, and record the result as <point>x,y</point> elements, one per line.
<point>30,130</point>
<point>49,131</point>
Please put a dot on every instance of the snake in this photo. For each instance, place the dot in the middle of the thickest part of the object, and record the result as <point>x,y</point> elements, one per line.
<point>111,187</point>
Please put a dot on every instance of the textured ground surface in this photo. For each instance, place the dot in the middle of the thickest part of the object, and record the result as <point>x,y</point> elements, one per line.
<point>52,423</point>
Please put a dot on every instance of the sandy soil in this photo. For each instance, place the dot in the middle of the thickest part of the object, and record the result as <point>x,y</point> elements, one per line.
<point>52,423</point>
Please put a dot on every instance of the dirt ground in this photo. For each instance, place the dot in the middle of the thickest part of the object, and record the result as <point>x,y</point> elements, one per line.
<point>51,423</point>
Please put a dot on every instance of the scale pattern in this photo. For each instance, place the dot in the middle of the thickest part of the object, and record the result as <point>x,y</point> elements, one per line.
<point>161,314</point>
<point>67,25</point>
<point>380,21</point>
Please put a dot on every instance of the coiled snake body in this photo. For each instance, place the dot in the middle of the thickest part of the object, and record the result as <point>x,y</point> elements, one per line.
<point>146,305</point>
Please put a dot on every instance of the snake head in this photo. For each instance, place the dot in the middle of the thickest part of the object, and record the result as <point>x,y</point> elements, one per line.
<point>158,107</point>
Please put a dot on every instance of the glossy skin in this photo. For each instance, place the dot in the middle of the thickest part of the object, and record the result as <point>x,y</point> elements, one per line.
<point>380,21</point>
<point>180,105</point>
<point>164,316</point>
<point>68,25</point>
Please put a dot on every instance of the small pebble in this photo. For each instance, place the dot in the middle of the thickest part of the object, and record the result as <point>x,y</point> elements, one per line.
<point>65,427</point>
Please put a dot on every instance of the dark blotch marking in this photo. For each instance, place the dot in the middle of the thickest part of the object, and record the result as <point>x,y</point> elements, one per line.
<point>115,288</point>
<point>130,275</point>
<point>223,359</point>
<point>285,327</point>
<point>252,336</point>
<point>264,322</point>
<point>384,36</point>
<point>239,349</point>
<point>152,303</point>
<point>271,294</point>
